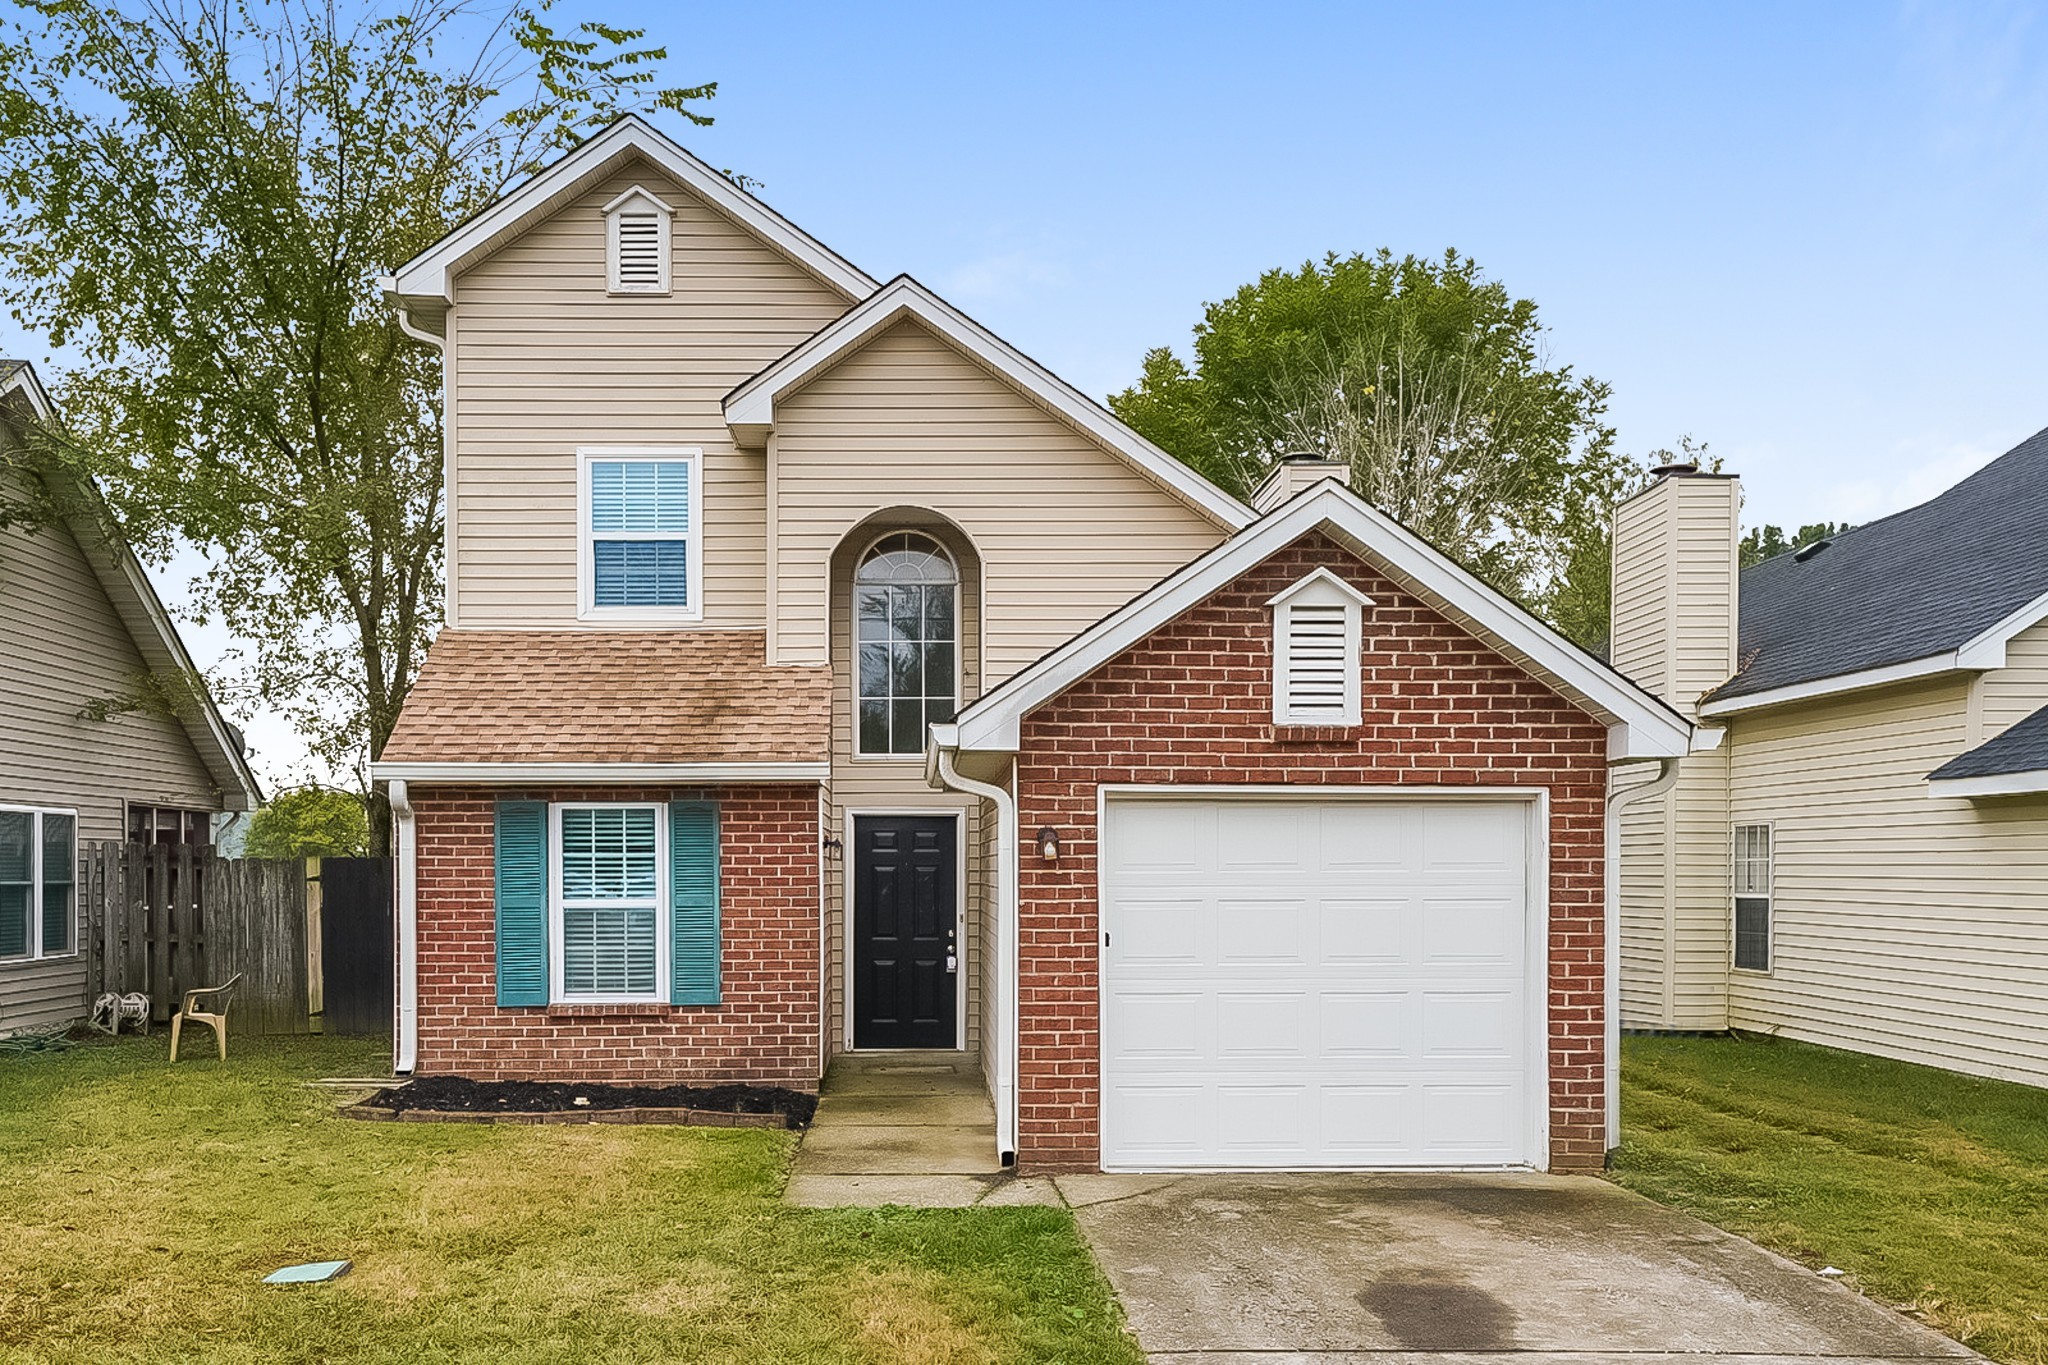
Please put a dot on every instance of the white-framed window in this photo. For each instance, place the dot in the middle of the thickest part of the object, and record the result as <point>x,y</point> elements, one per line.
<point>608,919</point>
<point>1752,897</point>
<point>636,243</point>
<point>38,882</point>
<point>640,551</point>
<point>906,676</point>
<point>1318,634</point>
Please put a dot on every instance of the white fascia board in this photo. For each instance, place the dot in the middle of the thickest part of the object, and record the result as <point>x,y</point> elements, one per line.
<point>1928,667</point>
<point>427,274</point>
<point>1992,784</point>
<point>1640,725</point>
<point>1987,650</point>
<point>502,773</point>
<point>750,408</point>
<point>25,382</point>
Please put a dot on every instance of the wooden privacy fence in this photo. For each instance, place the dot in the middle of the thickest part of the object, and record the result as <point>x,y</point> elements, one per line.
<point>166,918</point>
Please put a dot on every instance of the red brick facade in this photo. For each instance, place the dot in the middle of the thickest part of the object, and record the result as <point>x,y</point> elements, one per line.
<point>1192,704</point>
<point>767,1028</point>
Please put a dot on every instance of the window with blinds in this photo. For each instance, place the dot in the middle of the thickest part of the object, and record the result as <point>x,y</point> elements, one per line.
<point>1318,627</point>
<point>640,534</point>
<point>608,904</point>
<point>1752,885</point>
<point>38,869</point>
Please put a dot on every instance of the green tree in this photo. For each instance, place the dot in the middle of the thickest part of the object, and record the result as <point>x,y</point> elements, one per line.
<point>310,822</point>
<point>1431,383</point>
<point>1768,542</point>
<point>197,198</point>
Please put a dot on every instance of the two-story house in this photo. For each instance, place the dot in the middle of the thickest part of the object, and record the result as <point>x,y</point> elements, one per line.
<point>821,673</point>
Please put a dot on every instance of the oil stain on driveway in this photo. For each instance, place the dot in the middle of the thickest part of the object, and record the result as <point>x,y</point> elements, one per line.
<point>1510,1268</point>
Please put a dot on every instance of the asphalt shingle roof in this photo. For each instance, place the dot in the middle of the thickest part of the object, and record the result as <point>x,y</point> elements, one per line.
<point>627,696</point>
<point>2020,748</point>
<point>1915,584</point>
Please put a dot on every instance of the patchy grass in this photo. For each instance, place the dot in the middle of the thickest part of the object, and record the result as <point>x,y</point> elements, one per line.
<point>1929,1188</point>
<point>140,1204</point>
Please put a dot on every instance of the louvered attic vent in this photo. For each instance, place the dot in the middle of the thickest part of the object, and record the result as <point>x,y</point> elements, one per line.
<point>1318,624</point>
<point>636,243</point>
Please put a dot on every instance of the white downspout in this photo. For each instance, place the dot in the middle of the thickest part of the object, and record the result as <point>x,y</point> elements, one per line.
<point>1617,798</point>
<point>1005,1042</point>
<point>406,1041</point>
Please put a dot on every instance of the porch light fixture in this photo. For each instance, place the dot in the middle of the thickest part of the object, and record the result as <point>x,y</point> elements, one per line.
<point>833,848</point>
<point>1049,844</point>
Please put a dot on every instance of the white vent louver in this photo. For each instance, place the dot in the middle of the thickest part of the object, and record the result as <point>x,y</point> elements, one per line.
<point>1318,626</point>
<point>639,252</point>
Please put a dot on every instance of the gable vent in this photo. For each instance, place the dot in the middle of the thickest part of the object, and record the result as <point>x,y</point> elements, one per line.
<point>1318,626</point>
<point>639,251</point>
<point>1316,658</point>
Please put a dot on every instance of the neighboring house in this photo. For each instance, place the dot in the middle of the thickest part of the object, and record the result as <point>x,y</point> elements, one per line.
<point>822,673</point>
<point>79,624</point>
<point>1863,861</point>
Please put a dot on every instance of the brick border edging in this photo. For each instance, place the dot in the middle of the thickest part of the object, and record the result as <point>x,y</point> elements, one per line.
<point>689,1118</point>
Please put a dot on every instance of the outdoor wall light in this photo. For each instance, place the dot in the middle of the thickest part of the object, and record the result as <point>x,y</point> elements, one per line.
<point>1049,844</point>
<point>832,846</point>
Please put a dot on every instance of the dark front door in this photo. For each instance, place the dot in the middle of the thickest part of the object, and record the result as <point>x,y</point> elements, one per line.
<point>905,912</point>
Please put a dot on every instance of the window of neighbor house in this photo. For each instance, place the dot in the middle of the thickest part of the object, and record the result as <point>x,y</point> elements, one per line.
<point>38,866</point>
<point>641,552</point>
<point>906,595</point>
<point>607,924</point>
<point>1753,897</point>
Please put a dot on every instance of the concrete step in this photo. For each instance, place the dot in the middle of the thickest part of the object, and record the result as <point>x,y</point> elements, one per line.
<point>920,1111</point>
<point>898,1149</point>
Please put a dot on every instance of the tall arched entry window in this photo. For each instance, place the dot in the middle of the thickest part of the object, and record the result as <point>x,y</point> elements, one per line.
<point>907,622</point>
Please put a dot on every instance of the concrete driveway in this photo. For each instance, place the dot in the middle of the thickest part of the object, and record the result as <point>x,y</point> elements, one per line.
<point>1257,1270</point>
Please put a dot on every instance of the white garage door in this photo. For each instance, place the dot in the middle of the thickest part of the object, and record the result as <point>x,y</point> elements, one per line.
<point>1291,984</point>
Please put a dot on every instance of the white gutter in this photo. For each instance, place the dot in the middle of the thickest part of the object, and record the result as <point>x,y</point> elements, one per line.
<point>406,1038</point>
<point>1005,911</point>
<point>542,773</point>
<point>1617,798</point>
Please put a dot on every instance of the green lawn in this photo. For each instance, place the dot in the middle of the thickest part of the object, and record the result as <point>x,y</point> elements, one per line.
<point>140,1204</point>
<point>1930,1188</point>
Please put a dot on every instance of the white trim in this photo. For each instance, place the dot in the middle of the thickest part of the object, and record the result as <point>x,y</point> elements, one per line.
<point>1928,667</point>
<point>429,273</point>
<point>693,539</point>
<point>35,886</point>
<point>1991,784</point>
<point>664,245</point>
<point>1987,648</point>
<point>750,408</point>
<point>1640,725</point>
<point>850,852</point>
<point>233,765</point>
<point>1769,897</point>
<point>572,773</point>
<point>1536,927</point>
<point>664,909</point>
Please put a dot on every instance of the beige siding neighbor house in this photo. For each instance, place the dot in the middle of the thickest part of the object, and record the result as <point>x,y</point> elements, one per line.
<point>766,578</point>
<point>1862,861</point>
<point>79,623</point>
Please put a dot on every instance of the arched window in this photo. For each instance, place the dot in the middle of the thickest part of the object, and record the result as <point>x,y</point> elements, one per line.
<point>907,620</point>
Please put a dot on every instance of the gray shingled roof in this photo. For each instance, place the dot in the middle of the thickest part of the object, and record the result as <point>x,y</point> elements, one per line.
<point>2020,748</point>
<point>1919,583</point>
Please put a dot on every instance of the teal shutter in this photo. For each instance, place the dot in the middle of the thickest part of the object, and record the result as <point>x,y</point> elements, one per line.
<point>522,893</point>
<point>693,902</point>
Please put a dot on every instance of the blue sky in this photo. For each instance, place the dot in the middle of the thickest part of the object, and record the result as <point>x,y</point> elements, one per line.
<point>1813,236</point>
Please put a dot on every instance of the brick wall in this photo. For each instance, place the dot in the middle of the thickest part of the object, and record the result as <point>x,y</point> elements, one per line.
<point>1192,703</point>
<point>767,1028</point>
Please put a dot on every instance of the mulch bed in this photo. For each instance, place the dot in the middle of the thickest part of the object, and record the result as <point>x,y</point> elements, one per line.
<point>458,1099</point>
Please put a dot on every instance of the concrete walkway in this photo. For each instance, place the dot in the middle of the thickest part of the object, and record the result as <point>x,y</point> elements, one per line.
<point>912,1128</point>
<point>1444,1269</point>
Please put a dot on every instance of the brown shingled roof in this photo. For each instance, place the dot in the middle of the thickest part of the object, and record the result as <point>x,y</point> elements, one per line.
<point>591,696</point>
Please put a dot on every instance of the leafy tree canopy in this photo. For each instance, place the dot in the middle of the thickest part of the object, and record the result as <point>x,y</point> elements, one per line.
<point>1432,384</point>
<point>1768,542</point>
<point>310,822</point>
<point>197,197</point>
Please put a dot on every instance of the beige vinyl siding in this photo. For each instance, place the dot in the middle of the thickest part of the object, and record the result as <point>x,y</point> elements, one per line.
<point>1065,530</point>
<point>1674,604</point>
<point>62,645</point>
<point>2006,695</point>
<point>1903,926</point>
<point>545,360</point>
